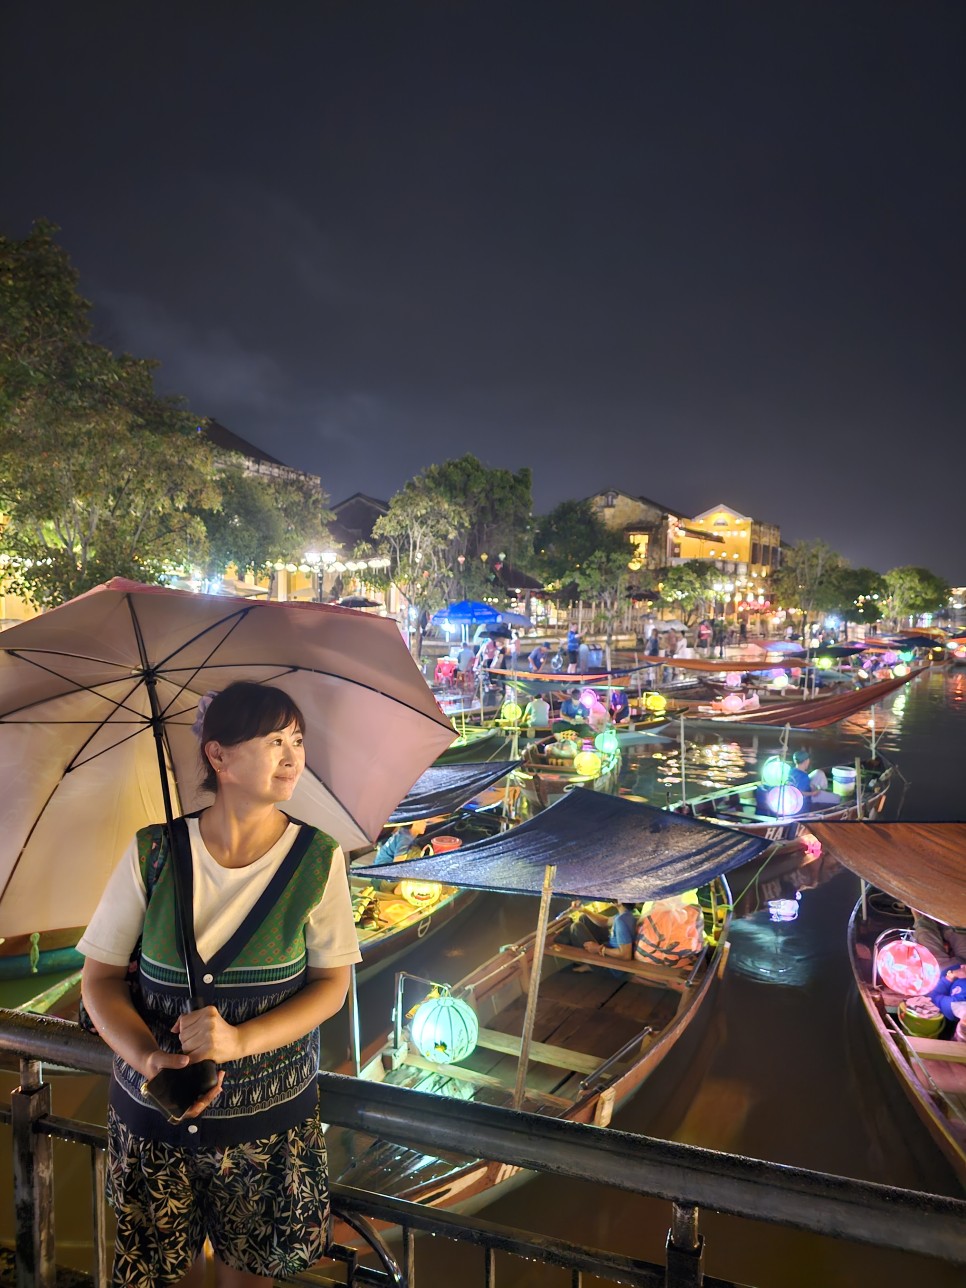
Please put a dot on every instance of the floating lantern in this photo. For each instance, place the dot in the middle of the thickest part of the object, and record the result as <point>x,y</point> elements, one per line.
<point>775,771</point>
<point>907,655</point>
<point>607,742</point>
<point>779,680</point>
<point>901,669</point>
<point>588,763</point>
<point>444,1029</point>
<point>420,894</point>
<point>733,703</point>
<point>890,658</point>
<point>655,702</point>
<point>511,712</point>
<point>883,673</point>
<point>907,967</point>
<point>824,663</point>
<point>784,800</point>
<point>733,679</point>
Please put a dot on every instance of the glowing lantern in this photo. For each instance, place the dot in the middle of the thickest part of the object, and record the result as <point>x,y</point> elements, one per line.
<point>588,763</point>
<point>733,703</point>
<point>779,680</point>
<point>901,669</point>
<point>421,894</point>
<point>813,846</point>
<point>824,663</point>
<point>890,658</point>
<point>733,679</point>
<point>655,702</point>
<point>511,712</point>
<point>588,698</point>
<point>907,967</point>
<point>863,673</point>
<point>883,673</point>
<point>607,742</point>
<point>784,800</point>
<point>775,771</point>
<point>444,1029</point>
<point>907,656</point>
<point>783,909</point>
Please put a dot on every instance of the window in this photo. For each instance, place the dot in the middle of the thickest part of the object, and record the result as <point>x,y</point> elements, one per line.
<point>755,552</point>
<point>610,500</point>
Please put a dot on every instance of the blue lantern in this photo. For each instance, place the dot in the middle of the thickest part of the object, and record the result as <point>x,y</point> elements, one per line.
<point>444,1029</point>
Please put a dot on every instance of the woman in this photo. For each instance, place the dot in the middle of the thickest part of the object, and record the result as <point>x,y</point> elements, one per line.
<point>245,1167</point>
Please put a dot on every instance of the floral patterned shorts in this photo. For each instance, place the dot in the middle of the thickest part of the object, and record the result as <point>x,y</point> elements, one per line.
<point>263,1205</point>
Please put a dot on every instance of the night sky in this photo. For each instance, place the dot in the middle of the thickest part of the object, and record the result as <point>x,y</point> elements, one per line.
<point>702,252</point>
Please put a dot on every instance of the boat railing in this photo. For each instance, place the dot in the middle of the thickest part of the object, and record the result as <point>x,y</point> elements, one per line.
<point>596,1078</point>
<point>687,1177</point>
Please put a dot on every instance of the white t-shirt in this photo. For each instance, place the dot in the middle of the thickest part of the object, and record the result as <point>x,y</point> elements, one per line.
<point>223,897</point>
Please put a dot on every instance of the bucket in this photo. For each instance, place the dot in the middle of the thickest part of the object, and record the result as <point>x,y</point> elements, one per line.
<point>843,779</point>
<point>443,844</point>
<point>921,1018</point>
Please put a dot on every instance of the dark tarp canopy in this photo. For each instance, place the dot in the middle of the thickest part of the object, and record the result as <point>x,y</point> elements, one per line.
<point>923,864</point>
<point>602,846</point>
<point>444,788</point>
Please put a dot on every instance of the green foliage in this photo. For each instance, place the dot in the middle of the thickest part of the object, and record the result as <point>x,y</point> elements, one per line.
<point>567,539</point>
<point>914,591</point>
<point>805,579</point>
<point>260,520</point>
<point>99,476</point>
<point>688,588</point>
<point>856,594</point>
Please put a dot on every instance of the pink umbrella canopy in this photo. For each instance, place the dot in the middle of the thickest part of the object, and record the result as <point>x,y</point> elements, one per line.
<point>77,749</point>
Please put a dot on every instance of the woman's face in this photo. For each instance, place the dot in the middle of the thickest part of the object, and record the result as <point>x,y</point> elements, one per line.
<point>264,769</point>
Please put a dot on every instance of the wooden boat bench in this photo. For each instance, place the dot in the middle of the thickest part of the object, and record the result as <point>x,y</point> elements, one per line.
<point>672,977</point>
<point>938,1049</point>
<point>542,1052</point>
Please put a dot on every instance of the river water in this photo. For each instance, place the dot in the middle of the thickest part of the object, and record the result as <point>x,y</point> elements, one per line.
<point>780,1066</point>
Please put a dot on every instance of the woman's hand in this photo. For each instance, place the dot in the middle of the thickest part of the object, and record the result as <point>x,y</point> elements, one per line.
<point>199,1107</point>
<point>204,1035</point>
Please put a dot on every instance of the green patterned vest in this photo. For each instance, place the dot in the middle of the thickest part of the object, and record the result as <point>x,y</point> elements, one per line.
<point>262,965</point>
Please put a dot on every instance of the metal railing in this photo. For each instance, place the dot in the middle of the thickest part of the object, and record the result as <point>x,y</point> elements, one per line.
<point>688,1177</point>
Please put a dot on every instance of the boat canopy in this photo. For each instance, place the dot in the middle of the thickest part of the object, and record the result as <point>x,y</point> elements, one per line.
<point>602,846</point>
<point>920,863</point>
<point>444,788</point>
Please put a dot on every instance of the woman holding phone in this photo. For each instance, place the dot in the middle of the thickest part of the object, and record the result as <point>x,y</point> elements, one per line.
<point>270,931</point>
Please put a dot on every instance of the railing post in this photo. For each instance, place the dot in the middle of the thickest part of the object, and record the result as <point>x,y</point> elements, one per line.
<point>684,1249</point>
<point>33,1180</point>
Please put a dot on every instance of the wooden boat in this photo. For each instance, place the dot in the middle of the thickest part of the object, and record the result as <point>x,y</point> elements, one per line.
<point>932,1071</point>
<point>46,952</point>
<point>472,742</point>
<point>551,1040</point>
<point>545,774</point>
<point>809,713</point>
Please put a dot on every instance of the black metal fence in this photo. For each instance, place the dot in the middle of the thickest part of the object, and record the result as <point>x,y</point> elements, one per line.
<point>687,1177</point>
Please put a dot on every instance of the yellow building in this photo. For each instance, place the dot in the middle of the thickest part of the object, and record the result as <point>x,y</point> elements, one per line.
<point>749,546</point>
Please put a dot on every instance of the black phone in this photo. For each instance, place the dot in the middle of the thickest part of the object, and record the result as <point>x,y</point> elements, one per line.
<point>174,1091</point>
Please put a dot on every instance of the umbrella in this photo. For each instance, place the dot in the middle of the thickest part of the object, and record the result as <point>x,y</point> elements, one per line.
<point>516,619</point>
<point>467,612</point>
<point>358,601</point>
<point>499,631</point>
<point>84,688</point>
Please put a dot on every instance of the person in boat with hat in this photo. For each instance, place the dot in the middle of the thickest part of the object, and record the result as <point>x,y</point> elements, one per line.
<point>813,785</point>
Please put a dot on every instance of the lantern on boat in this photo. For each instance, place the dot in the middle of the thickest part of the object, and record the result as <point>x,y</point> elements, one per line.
<point>784,800</point>
<point>890,658</point>
<point>444,1029</point>
<point>588,698</point>
<point>824,663</point>
<point>775,771</point>
<point>813,846</point>
<point>655,702</point>
<point>563,749</point>
<point>588,763</point>
<point>900,670</point>
<point>511,712</point>
<point>906,967</point>
<point>733,679</point>
<point>419,894</point>
<point>733,703</point>
<point>779,679</point>
<point>607,742</point>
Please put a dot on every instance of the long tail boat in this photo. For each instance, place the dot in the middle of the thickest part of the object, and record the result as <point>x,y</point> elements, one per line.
<point>540,1035</point>
<point>916,865</point>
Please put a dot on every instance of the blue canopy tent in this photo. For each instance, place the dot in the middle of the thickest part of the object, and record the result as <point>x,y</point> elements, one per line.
<point>602,847</point>
<point>444,788</point>
<point>466,612</point>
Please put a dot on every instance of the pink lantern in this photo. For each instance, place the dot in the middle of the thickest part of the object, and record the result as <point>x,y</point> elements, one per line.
<point>890,658</point>
<point>813,846</point>
<point>733,679</point>
<point>733,703</point>
<point>588,698</point>
<point>784,800</point>
<point>907,967</point>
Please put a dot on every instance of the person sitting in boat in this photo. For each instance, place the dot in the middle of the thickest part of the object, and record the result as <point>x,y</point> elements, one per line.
<point>537,713</point>
<point>812,787</point>
<point>606,936</point>
<point>950,995</point>
<point>620,710</point>
<point>572,708</point>
<point>398,844</point>
<point>946,943</point>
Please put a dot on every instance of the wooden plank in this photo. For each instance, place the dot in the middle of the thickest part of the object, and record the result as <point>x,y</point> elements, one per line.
<point>661,976</point>
<point>938,1049</point>
<point>416,1061</point>
<point>544,1052</point>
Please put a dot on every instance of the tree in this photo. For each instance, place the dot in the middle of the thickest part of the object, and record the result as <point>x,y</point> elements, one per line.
<point>856,595</point>
<point>417,534</point>
<point>99,476</point>
<point>495,506</point>
<point>261,520</point>
<point>804,579</point>
<point>566,538</point>
<point>915,591</point>
<point>689,587</point>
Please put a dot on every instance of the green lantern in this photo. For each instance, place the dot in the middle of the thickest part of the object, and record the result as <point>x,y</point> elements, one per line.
<point>775,772</point>
<point>607,742</point>
<point>444,1029</point>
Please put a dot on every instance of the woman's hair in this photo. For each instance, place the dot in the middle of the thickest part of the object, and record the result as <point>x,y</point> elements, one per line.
<point>241,712</point>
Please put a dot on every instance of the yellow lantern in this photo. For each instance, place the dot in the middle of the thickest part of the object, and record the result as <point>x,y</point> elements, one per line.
<point>588,763</point>
<point>511,712</point>
<point>655,702</point>
<point>421,894</point>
